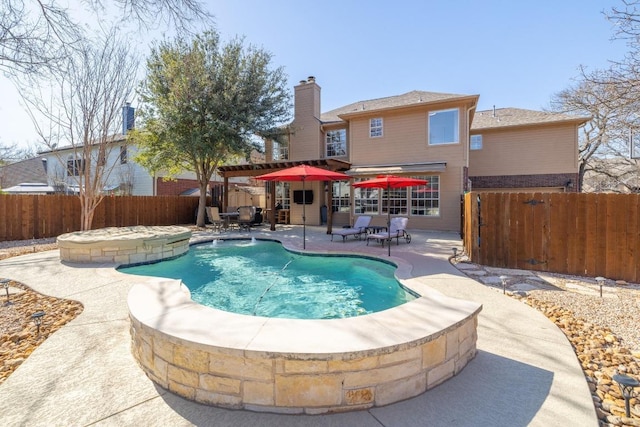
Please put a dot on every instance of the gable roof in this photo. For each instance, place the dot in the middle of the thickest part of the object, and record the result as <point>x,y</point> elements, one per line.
<point>413,98</point>
<point>507,117</point>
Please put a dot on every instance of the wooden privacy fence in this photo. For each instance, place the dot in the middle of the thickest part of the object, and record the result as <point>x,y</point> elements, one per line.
<point>586,234</point>
<point>25,217</point>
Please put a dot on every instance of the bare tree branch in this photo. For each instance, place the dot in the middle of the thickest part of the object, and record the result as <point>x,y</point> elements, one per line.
<point>82,114</point>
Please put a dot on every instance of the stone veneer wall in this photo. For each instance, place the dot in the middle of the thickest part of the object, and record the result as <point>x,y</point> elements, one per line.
<point>127,245</point>
<point>303,383</point>
<point>150,251</point>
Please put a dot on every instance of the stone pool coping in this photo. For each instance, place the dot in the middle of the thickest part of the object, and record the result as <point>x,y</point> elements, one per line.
<point>299,366</point>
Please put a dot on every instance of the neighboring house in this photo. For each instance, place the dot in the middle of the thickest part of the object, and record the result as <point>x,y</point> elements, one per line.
<point>434,136</point>
<point>122,176</point>
<point>63,167</point>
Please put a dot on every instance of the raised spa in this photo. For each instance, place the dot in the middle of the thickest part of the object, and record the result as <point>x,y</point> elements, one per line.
<point>298,366</point>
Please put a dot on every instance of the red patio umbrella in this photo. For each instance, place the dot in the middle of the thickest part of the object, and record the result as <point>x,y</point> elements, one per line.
<point>388,182</point>
<point>304,173</point>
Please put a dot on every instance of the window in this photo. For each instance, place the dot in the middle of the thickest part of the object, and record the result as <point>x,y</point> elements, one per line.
<point>366,200</point>
<point>283,195</point>
<point>476,142</point>
<point>341,197</point>
<point>443,127</point>
<point>123,154</point>
<point>75,167</point>
<point>375,128</point>
<point>425,199</point>
<point>395,202</point>
<point>336,143</point>
<point>422,200</point>
<point>280,151</point>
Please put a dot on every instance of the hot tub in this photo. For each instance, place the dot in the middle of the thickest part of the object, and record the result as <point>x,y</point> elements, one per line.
<point>124,245</point>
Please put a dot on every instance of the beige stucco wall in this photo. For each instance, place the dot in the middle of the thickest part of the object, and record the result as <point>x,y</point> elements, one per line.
<point>544,149</point>
<point>405,142</point>
<point>306,137</point>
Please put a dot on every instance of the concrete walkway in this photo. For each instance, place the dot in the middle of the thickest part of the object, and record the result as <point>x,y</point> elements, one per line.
<point>525,373</point>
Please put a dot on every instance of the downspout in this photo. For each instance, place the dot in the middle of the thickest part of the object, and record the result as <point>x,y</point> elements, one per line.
<point>468,145</point>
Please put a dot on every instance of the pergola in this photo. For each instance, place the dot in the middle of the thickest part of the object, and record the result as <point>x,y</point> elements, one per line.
<point>255,169</point>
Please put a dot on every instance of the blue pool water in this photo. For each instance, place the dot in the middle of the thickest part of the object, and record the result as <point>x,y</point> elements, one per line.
<point>263,279</point>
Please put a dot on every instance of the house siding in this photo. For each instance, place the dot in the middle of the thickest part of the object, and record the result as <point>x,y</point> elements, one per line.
<point>540,150</point>
<point>405,141</point>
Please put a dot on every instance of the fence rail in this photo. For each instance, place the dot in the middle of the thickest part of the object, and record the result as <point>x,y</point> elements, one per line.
<point>584,234</point>
<point>24,217</point>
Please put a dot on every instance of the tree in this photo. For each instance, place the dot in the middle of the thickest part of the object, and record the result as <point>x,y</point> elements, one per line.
<point>202,104</point>
<point>12,153</point>
<point>611,98</point>
<point>608,104</point>
<point>84,113</point>
<point>38,34</point>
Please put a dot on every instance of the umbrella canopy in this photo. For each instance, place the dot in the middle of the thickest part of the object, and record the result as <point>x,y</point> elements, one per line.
<point>388,182</point>
<point>304,173</point>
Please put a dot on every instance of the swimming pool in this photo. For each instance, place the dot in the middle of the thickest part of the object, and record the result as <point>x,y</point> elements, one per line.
<point>262,278</point>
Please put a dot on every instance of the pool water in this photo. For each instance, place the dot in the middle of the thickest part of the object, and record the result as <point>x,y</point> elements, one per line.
<point>263,279</point>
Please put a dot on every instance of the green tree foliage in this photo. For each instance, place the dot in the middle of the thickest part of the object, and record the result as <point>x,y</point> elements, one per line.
<point>203,102</point>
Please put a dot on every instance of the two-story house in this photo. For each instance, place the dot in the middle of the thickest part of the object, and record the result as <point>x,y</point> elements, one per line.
<point>434,136</point>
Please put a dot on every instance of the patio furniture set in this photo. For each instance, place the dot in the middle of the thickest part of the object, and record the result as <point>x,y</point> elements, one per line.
<point>362,226</point>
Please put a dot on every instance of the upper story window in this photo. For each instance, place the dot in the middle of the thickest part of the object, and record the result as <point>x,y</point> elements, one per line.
<point>280,152</point>
<point>123,154</point>
<point>375,128</point>
<point>476,142</point>
<point>336,143</point>
<point>444,127</point>
<point>75,167</point>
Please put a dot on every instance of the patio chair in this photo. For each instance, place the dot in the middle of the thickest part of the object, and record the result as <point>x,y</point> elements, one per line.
<point>397,230</point>
<point>360,226</point>
<point>246,217</point>
<point>213,214</point>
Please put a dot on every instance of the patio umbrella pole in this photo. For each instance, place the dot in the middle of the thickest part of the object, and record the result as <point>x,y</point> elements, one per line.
<point>388,221</point>
<point>304,219</point>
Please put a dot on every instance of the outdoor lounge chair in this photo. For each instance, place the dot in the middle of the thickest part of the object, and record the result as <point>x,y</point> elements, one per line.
<point>213,214</point>
<point>362,222</point>
<point>398,230</point>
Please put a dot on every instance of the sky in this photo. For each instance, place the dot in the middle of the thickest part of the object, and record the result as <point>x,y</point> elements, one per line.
<point>511,53</point>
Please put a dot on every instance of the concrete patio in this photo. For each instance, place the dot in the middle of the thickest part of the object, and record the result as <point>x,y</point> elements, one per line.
<point>525,372</point>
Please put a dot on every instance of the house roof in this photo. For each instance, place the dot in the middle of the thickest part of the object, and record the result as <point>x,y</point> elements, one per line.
<point>111,139</point>
<point>506,117</point>
<point>413,98</point>
<point>29,170</point>
<point>30,188</point>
